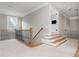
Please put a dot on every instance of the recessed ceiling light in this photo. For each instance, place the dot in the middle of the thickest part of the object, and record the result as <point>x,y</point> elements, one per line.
<point>10,6</point>
<point>76,9</point>
<point>70,9</point>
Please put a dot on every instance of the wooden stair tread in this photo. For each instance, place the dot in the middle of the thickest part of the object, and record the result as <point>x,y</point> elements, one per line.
<point>55,44</point>
<point>55,37</point>
<point>53,40</point>
<point>59,43</point>
<point>58,40</point>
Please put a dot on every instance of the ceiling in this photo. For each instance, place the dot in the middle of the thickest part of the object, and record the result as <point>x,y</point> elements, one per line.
<point>70,9</point>
<point>18,8</point>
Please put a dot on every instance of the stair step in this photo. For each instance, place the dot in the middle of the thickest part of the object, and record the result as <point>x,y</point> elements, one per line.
<point>59,43</point>
<point>55,44</point>
<point>58,40</point>
<point>52,37</point>
<point>53,40</point>
<point>51,34</point>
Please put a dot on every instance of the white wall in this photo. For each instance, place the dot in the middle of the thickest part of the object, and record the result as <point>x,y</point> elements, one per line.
<point>78,25</point>
<point>69,28</point>
<point>38,19</point>
<point>61,23</point>
<point>25,23</point>
<point>64,24</point>
<point>0,35</point>
<point>74,28</point>
<point>73,25</point>
<point>0,22</point>
<point>3,21</point>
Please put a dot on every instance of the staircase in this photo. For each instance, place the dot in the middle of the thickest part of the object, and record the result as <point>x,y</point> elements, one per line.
<point>53,39</point>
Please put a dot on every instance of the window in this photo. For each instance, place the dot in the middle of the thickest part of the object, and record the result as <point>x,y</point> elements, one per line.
<point>12,22</point>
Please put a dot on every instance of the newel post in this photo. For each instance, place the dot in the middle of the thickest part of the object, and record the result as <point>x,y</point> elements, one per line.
<point>30,43</point>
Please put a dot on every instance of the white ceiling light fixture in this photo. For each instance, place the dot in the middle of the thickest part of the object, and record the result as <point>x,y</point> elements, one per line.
<point>10,6</point>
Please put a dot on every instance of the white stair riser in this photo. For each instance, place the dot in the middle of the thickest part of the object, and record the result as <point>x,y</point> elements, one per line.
<point>51,37</point>
<point>49,34</point>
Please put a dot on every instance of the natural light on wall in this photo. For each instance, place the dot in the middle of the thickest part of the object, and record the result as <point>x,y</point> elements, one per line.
<point>12,22</point>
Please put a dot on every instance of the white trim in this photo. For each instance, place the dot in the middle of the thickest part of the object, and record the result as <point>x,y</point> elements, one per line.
<point>35,9</point>
<point>60,11</point>
<point>74,18</point>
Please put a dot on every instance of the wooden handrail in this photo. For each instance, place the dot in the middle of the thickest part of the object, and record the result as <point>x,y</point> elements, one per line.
<point>37,33</point>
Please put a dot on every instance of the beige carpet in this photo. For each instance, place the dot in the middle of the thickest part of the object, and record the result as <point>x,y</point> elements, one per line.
<point>13,48</point>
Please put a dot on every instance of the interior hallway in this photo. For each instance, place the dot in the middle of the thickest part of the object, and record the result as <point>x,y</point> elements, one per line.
<point>14,48</point>
<point>29,19</point>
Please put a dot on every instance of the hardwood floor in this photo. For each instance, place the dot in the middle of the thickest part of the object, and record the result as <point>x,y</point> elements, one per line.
<point>77,52</point>
<point>37,45</point>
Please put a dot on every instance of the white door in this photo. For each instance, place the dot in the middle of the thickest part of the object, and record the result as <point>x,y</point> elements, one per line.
<point>54,27</point>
